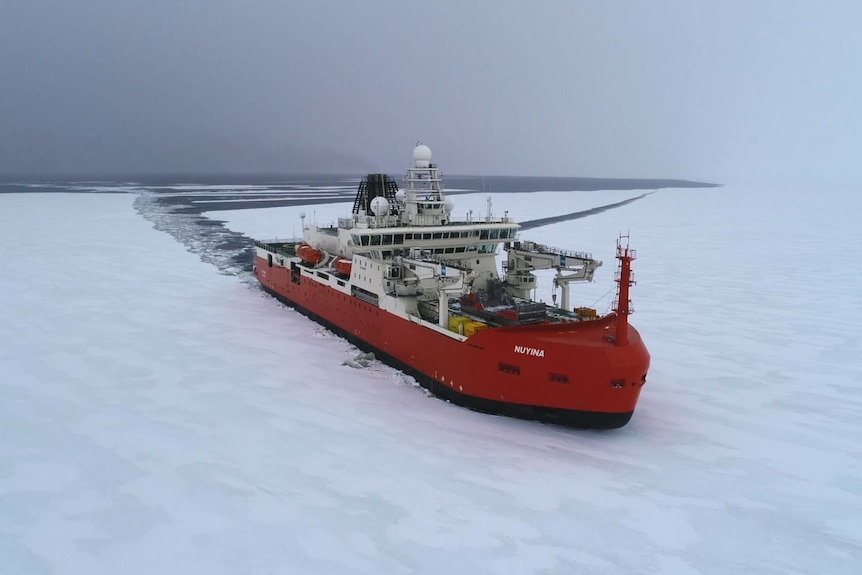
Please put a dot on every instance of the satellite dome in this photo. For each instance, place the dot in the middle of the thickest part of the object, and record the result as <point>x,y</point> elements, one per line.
<point>379,206</point>
<point>448,206</point>
<point>400,196</point>
<point>421,156</point>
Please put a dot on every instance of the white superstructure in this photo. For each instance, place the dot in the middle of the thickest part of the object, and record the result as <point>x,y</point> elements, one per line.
<point>409,256</point>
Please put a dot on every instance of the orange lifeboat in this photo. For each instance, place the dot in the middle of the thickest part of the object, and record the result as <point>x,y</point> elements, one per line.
<point>309,255</point>
<point>343,266</point>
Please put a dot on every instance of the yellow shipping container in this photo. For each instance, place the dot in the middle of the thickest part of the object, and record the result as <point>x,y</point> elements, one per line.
<point>456,323</point>
<point>474,327</point>
<point>586,311</point>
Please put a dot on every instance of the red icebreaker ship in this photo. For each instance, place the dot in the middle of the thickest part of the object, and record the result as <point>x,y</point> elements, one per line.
<point>405,280</point>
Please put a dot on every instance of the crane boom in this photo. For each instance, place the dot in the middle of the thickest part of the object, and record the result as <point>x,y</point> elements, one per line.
<point>523,257</point>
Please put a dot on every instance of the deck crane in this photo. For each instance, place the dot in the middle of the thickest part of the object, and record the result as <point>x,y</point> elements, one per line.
<point>523,257</point>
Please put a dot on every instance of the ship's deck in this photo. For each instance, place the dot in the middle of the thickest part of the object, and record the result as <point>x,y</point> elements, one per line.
<point>286,248</point>
<point>518,313</point>
<point>522,313</point>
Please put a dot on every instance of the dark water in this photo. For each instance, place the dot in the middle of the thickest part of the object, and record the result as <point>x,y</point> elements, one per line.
<point>174,204</point>
<point>497,184</point>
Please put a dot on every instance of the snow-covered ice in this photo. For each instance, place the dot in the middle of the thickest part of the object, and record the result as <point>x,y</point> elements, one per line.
<point>157,416</point>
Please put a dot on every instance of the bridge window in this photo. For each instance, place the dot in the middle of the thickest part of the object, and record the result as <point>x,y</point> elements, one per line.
<point>398,239</point>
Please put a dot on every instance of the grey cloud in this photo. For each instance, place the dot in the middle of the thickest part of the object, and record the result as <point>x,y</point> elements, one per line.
<point>670,88</point>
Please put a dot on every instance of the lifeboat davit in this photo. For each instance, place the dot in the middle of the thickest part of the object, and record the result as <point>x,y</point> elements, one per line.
<point>309,254</point>
<point>343,266</point>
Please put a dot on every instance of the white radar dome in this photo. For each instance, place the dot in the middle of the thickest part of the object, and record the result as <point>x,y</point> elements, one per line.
<point>448,206</point>
<point>379,206</point>
<point>421,156</point>
<point>400,196</point>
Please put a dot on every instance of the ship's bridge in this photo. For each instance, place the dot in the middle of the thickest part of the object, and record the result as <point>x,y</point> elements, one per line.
<point>449,239</point>
<point>386,221</point>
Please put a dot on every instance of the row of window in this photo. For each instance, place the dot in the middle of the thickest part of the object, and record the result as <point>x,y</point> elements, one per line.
<point>397,239</point>
<point>482,249</point>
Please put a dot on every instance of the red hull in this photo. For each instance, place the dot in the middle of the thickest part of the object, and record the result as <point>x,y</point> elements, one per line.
<point>580,378</point>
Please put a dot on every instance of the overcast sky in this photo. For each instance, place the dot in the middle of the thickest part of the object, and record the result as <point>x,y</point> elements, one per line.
<point>701,89</point>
